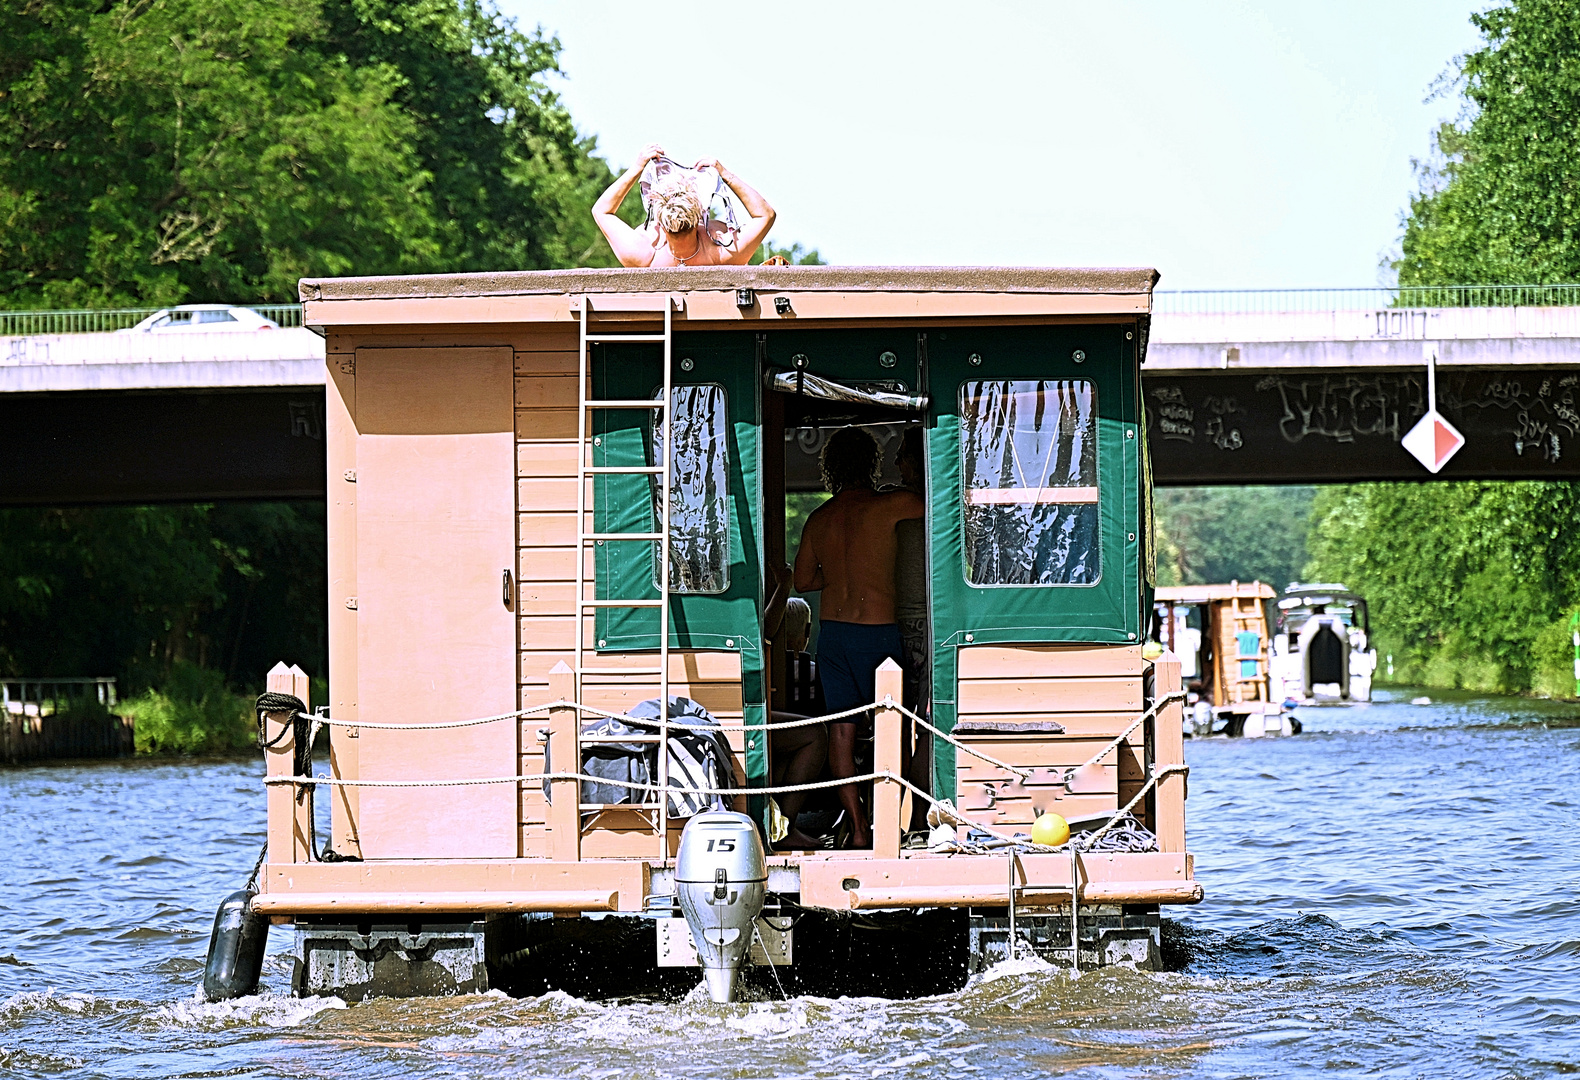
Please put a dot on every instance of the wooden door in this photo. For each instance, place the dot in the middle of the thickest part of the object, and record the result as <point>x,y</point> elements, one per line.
<point>435,641</point>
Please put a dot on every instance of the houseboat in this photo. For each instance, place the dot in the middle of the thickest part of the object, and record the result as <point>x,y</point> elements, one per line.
<point>511,600</point>
<point>1220,634</point>
<point>1322,650</point>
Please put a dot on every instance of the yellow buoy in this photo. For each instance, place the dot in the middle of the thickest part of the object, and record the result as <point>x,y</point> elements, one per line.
<point>1050,829</point>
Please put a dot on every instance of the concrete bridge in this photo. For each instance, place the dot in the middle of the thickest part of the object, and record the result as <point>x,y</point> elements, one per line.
<point>1315,386</point>
<point>1295,386</point>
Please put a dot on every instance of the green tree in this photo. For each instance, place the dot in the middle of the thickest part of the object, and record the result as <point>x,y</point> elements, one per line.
<point>153,151</point>
<point>136,591</point>
<point>795,255</point>
<point>1219,534</point>
<point>1471,582</point>
<point>1500,203</point>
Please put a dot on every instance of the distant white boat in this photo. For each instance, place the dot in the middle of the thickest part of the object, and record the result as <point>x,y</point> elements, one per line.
<point>1322,651</point>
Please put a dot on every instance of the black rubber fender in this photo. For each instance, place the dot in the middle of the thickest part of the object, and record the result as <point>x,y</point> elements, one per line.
<point>235,949</point>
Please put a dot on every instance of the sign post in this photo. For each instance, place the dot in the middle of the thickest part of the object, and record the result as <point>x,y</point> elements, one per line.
<point>1433,440</point>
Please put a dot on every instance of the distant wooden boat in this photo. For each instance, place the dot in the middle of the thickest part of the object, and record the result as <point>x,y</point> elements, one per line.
<point>1224,656</point>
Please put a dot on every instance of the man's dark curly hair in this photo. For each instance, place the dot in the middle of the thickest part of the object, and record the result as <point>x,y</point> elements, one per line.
<point>850,460</point>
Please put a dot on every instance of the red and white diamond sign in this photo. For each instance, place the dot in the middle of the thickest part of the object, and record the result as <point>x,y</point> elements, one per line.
<point>1433,441</point>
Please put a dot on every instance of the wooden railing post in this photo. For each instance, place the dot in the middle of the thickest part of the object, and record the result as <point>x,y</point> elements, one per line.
<point>886,759</point>
<point>1169,749</point>
<point>288,820</point>
<point>565,830</point>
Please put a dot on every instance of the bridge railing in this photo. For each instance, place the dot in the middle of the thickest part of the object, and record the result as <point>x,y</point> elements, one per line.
<point>1257,301</point>
<point>27,323</point>
<point>1165,302</point>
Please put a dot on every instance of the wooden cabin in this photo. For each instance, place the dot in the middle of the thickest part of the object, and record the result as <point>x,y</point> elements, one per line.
<point>495,442</point>
<point>1232,659</point>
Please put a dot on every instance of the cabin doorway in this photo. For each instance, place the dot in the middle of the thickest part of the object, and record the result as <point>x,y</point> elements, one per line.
<point>436,640</point>
<point>796,429</point>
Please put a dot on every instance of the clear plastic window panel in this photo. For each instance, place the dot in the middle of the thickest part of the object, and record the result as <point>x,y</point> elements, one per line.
<point>699,520</point>
<point>1029,473</point>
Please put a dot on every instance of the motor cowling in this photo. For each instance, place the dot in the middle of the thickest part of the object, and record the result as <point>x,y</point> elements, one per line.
<point>721,875</point>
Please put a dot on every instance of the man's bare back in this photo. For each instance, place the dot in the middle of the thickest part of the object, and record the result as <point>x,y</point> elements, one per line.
<point>848,551</point>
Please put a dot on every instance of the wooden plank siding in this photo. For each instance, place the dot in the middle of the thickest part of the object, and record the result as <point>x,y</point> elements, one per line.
<point>1094,691</point>
<point>546,458</point>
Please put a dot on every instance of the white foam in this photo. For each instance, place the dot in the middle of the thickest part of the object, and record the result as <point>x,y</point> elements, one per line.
<point>267,1010</point>
<point>771,1021</point>
<point>29,1001</point>
<point>1020,966</point>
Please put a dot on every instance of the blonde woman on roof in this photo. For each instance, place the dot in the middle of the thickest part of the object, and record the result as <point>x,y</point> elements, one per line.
<point>679,234</point>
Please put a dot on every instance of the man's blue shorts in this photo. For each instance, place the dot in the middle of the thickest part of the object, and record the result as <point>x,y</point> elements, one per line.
<point>848,655</point>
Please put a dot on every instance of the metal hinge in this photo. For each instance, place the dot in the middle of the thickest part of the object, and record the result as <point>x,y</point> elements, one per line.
<point>350,475</point>
<point>351,602</point>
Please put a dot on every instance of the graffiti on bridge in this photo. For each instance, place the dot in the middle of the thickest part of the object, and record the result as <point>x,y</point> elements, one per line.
<point>1537,417</point>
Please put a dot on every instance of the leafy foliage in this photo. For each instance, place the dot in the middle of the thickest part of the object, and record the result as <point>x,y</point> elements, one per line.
<point>137,591</point>
<point>154,151</point>
<point>1501,204</point>
<point>795,255</point>
<point>194,713</point>
<point>1471,583</point>
<point>1219,534</point>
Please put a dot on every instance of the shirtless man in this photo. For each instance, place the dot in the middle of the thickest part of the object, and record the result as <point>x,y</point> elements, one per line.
<point>676,237</point>
<point>848,552</point>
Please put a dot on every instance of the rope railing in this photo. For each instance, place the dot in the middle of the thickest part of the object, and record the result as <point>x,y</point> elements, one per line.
<point>948,812</point>
<point>887,702</point>
<point>947,809</point>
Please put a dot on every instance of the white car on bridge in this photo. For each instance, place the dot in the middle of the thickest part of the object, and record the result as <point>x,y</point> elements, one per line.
<point>202,318</point>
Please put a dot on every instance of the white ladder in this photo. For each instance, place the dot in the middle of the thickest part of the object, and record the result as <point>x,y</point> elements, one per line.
<point>587,536</point>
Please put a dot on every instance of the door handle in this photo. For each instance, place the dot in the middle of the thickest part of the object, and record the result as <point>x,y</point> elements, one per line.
<point>508,591</point>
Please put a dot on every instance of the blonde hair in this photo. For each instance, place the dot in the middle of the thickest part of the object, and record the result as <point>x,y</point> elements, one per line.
<point>676,207</point>
<point>797,624</point>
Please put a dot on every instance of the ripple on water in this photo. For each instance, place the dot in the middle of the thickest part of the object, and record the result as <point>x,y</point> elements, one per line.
<point>1388,895</point>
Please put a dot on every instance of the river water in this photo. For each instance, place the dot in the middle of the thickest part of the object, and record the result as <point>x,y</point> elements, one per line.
<point>1392,893</point>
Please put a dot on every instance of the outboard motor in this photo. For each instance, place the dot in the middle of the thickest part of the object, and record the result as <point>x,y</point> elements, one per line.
<point>721,875</point>
<point>235,949</point>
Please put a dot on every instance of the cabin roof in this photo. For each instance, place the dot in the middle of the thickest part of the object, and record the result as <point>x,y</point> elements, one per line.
<point>1202,594</point>
<point>1126,281</point>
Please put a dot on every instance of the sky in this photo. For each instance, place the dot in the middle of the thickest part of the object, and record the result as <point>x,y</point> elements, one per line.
<point>1229,145</point>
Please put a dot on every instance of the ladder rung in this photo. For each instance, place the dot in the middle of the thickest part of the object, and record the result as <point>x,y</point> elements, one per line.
<point>617,806</point>
<point>623,403</point>
<point>603,338</point>
<point>622,470</point>
<point>623,603</point>
<point>619,671</point>
<point>623,536</point>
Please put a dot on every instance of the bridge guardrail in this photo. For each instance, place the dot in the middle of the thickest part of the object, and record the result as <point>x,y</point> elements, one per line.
<point>1165,302</point>
<point>1269,301</point>
<point>85,321</point>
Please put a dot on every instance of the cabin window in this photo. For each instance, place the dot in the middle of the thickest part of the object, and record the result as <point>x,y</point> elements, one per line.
<point>1029,474</point>
<point>699,522</point>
